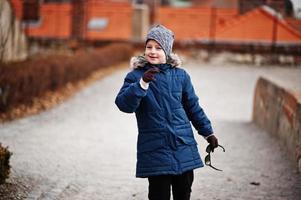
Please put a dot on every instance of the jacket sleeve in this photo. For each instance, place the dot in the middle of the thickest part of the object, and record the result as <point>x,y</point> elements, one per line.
<point>129,97</point>
<point>193,110</point>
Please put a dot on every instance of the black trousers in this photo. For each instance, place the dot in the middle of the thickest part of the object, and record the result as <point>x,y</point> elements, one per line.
<point>159,186</point>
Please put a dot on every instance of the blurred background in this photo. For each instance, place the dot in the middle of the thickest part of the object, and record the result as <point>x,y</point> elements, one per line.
<point>257,26</point>
<point>244,57</point>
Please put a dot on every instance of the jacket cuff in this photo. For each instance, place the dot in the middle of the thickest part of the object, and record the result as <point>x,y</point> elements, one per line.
<point>206,137</point>
<point>206,130</point>
<point>144,84</point>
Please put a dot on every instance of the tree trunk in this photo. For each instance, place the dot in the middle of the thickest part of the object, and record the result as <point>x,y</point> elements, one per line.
<point>13,44</point>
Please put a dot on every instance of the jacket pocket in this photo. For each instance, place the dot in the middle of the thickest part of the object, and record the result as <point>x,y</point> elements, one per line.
<point>148,142</point>
<point>185,136</point>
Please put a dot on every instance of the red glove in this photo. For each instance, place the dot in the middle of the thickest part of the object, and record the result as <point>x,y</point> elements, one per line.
<point>149,75</point>
<point>212,140</point>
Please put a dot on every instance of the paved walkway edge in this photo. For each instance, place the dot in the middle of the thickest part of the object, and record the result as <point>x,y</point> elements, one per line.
<point>278,111</point>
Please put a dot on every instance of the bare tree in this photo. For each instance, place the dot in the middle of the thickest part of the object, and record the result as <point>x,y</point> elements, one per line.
<point>6,25</point>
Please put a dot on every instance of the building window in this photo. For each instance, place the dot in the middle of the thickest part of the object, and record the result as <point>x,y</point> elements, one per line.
<point>97,24</point>
<point>31,10</point>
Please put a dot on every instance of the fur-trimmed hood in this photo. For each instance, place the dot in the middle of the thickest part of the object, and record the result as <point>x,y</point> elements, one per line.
<point>140,61</point>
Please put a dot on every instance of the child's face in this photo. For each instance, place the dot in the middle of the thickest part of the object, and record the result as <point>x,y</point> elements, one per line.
<point>154,53</point>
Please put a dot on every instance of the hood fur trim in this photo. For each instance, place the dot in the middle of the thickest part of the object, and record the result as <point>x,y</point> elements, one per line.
<point>140,61</point>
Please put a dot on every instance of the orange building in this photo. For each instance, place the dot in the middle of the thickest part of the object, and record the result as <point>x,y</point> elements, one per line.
<point>84,19</point>
<point>260,25</point>
<point>195,23</point>
<point>113,20</point>
<point>285,7</point>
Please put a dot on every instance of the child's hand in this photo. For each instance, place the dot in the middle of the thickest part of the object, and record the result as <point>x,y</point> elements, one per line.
<point>212,140</point>
<point>149,75</point>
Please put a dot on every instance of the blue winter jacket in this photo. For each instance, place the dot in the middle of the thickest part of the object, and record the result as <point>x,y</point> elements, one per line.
<point>166,144</point>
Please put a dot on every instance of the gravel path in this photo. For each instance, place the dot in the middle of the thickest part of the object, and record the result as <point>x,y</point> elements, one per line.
<point>85,148</point>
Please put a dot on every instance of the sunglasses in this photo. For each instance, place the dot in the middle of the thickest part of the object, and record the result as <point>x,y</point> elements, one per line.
<point>208,157</point>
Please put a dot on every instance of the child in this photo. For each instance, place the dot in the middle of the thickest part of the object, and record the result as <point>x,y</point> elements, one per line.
<point>162,96</point>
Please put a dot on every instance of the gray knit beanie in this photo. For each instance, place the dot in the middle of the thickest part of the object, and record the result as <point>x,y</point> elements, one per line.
<point>163,36</point>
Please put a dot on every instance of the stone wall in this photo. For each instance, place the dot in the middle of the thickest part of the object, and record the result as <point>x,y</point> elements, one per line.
<point>13,45</point>
<point>278,111</point>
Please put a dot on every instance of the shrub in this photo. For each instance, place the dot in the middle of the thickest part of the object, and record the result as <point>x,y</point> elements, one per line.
<point>21,82</point>
<point>4,163</point>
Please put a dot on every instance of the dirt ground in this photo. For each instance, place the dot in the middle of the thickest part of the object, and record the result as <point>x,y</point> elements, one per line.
<point>85,148</point>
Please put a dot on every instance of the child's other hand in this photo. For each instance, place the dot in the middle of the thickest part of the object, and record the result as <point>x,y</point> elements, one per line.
<point>212,140</point>
<point>149,75</point>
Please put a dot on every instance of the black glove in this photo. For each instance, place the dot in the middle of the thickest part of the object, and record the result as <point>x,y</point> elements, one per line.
<point>149,75</point>
<point>212,140</point>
